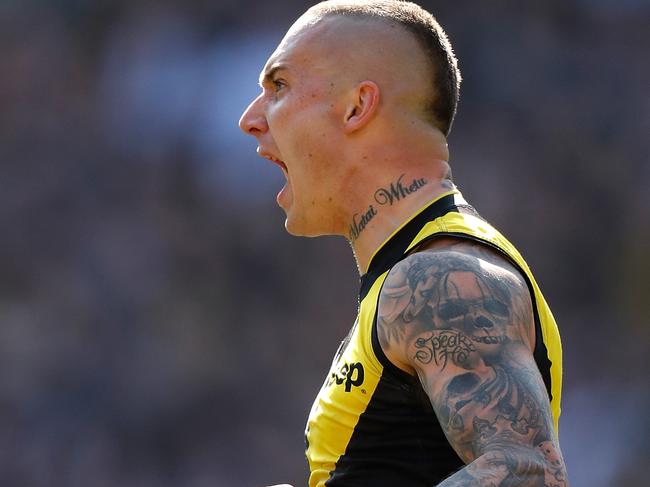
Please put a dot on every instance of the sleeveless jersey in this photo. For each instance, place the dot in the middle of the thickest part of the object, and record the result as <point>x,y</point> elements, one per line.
<point>372,423</point>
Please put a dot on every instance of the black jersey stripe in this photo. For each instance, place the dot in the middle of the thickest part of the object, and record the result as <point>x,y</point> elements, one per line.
<point>393,250</point>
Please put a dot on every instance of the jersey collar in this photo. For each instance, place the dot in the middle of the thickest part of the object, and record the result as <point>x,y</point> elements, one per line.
<point>392,250</point>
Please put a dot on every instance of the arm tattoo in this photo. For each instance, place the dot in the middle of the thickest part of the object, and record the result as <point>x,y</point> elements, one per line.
<point>461,320</point>
<point>443,346</point>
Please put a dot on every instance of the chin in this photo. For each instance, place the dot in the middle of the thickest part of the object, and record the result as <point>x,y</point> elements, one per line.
<point>291,230</point>
<point>298,230</point>
<point>302,227</point>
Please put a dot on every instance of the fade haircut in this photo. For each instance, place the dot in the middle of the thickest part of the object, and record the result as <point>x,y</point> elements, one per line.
<point>440,108</point>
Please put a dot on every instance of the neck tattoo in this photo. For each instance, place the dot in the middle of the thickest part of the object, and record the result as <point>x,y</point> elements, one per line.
<point>397,191</point>
<point>383,196</point>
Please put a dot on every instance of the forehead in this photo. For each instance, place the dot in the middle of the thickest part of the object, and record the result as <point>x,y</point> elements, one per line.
<point>462,284</point>
<point>352,48</point>
<point>303,47</point>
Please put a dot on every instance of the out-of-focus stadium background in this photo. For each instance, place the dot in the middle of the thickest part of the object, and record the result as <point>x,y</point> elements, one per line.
<point>157,325</point>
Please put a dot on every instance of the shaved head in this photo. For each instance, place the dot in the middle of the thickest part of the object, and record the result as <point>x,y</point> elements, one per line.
<point>352,50</point>
<point>410,47</point>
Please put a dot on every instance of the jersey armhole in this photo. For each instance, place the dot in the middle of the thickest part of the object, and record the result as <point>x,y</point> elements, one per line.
<point>379,352</point>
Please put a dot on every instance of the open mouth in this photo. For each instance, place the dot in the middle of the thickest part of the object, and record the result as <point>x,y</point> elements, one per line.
<point>284,197</point>
<point>275,160</point>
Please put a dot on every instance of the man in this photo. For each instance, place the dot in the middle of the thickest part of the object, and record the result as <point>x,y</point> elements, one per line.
<point>451,375</point>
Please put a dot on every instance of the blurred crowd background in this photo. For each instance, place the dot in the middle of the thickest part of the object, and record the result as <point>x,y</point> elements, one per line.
<point>158,327</point>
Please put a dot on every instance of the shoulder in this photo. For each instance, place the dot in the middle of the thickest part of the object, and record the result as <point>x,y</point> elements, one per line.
<point>458,290</point>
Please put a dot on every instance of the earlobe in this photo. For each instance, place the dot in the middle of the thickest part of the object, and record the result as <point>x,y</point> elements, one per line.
<point>363,108</point>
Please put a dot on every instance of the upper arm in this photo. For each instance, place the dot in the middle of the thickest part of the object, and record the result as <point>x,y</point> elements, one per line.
<point>462,320</point>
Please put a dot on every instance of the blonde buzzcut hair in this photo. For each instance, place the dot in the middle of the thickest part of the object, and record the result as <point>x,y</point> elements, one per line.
<point>442,102</point>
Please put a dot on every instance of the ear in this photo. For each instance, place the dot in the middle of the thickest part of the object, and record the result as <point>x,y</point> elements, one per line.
<point>362,107</point>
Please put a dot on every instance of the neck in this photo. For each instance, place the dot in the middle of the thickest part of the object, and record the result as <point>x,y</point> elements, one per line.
<point>387,208</point>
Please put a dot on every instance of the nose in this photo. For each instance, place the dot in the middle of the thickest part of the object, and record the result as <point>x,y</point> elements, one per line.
<point>253,121</point>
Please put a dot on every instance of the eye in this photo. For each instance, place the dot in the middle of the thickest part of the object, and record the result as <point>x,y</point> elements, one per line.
<point>495,307</point>
<point>452,309</point>
<point>278,84</point>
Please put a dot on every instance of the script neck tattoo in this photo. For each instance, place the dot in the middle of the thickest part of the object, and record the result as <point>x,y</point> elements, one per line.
<point>394,193</point>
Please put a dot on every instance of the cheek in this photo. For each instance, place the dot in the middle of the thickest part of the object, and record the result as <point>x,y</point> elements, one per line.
<point>292,127</point>
<point>314,114</point>
<point>305,132</point>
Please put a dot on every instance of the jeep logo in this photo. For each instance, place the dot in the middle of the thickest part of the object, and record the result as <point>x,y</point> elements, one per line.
<point>350,374</point>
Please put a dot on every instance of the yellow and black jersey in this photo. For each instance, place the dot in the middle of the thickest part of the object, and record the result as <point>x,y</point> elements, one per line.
<point>372,424</point>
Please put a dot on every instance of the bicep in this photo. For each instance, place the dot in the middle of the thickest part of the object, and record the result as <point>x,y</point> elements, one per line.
<point>462,323</point>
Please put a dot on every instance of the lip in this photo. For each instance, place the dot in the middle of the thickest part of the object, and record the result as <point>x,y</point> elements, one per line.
<point>281,198</point>
<point>273,159</point>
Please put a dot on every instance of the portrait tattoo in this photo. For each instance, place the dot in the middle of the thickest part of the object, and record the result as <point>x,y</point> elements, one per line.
<point>461,316</point>
<point>455,293</point>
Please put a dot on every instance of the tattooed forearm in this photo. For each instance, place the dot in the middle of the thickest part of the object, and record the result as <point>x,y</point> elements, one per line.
<point>555,470</point>
<point>383,196</point>
<point>461,479</point>
<point>462,321</point>
<point>509,467</point>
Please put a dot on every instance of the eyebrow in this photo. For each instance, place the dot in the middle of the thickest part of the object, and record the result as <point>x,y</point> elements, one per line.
<point>268,76</point>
